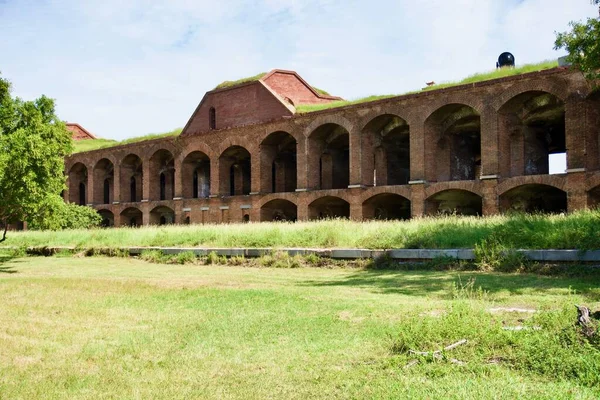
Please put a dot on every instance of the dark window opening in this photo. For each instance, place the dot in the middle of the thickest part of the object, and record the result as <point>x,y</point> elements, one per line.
<point>163,186</point>
<point>106,191</point>
<point>212,118</point>
<point>320,172</point>
<point>132,189</point>
<point>187,220</point>
<point>163,220</point>
<point>82,194</point>
<point>232,180</point>
<point>246,218</point>
<point>195,185</point>
<point>132,222</point>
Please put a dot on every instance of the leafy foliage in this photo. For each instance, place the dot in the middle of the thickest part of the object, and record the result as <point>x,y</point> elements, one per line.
<point>33,145</point>
<point>55,214</point>
<point>583,45</point>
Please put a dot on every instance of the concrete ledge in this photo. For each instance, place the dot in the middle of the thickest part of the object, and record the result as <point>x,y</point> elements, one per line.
<point>488,177</point>
<point>569,256</point>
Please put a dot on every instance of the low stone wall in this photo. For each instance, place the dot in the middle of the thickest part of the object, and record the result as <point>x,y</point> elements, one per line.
<point>589,256</point>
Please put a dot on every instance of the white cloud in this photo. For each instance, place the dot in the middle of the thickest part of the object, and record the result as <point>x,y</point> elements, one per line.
<point>125,68</point>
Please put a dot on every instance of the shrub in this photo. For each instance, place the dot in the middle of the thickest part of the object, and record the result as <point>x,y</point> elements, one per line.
<point>186,257</point>
<point>58,215</point>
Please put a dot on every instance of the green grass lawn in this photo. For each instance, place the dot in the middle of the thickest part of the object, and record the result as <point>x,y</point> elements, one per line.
<point>88,328</point>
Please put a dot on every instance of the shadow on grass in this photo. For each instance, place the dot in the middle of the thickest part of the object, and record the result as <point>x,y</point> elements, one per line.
<point>4,258</point>
<point>423,283</point>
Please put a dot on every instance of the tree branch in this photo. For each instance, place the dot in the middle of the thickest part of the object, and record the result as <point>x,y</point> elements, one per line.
<point>5,229</point>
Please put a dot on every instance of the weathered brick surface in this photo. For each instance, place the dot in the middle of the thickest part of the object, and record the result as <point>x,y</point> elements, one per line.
<point>501,110</point>
<point>79,132</point>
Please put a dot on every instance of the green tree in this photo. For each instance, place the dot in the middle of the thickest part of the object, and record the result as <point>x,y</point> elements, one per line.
<point>582,43</point>
<point>33,145</point>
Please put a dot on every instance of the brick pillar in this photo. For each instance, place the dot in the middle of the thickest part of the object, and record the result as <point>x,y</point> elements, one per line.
<point>368,159</point>
<point>90,186</point>
<point>356,213</point>
<point>67,191</point>
<point>145,209</point>
<point>575,133</point>
<point>116,185</point>
<point>577,197</point>
<point>489,143</point>
<point>417,152</point>
<point>215,173</point>
<point>301,164</point>
<point>417,202</point>
<point>178,211</point>
<point>592,129</point>
<point>355,158</point>
<point>490,200</point>
<point>147,181</point>
<point>117,216</point>
<point>255,171</point>
<point>302,208</point>
<point>178,184</point>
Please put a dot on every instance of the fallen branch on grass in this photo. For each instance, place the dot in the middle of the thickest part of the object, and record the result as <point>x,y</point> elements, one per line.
<point>438,354</point>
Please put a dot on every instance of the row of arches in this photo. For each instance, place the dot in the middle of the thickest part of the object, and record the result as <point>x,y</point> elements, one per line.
<point>383,206</point>
<point>531,128</point>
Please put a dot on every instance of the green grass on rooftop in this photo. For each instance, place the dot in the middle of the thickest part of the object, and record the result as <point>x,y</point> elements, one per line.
<point>89,145</point>
<point>321,91</point>
<point>227,84</point>
<point>479,77</point>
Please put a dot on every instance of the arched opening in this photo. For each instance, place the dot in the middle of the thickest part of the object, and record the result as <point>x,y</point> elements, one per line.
<point>531,132</point>
<point>235,171</point>
<point>103,181</point>
<point>132,189</point>
<point>82,194</point>
<point>162,215</point>
<point>386,146</point>
<point>386,206</point>
<point>162,172</point>
<point>108,218</point>
<point>278,157</point>
<point>132,178</point>
<point>279,210</point>
<point>453,144</point>
<point>246,218</point>
<point>329,207</point>
<point>212,118</point>
<point>78,184</point>
<point>131,217</point>
<point>107,191</point>
<point>534,198</point>
<point>195,172</point>
<point>454,201</point>
<point>329,157</point>
<point>594,197</point>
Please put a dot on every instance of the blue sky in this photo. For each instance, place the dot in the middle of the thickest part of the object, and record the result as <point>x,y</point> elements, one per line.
<point>130,67</point>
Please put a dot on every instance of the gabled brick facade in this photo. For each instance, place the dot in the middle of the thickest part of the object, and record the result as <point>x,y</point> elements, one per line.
<point>79,132</point>
<point>475,149</point>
